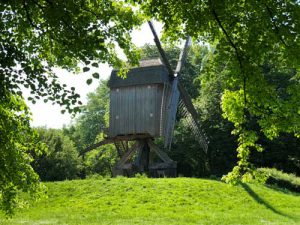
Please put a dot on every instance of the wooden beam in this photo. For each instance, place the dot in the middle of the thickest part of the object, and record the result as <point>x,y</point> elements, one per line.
<point>103,142</point>
<point>188,102</point>
<point>161,154</point>
<point>119,151</point>
<point>161,51</point>
<point>127,155</point>
<point>131,137</point>
<point>171,113</point>
<point>183,56</point>
<point>114,139</point>
<point>164,165</point>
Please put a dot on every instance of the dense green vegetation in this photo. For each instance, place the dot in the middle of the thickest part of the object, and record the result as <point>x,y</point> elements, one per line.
<point>160,201</point>
<point>60,161</point>
<point>281,180</point>
<point>17,143</point>
<point>254,45</point>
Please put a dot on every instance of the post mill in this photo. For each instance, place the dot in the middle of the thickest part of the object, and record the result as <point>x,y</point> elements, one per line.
<point>143,106</point>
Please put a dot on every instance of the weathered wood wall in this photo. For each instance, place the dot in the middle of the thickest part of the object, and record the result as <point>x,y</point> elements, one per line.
<point>138,109</point>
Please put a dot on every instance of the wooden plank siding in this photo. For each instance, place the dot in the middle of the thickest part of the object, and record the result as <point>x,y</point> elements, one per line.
<point>138,109</point>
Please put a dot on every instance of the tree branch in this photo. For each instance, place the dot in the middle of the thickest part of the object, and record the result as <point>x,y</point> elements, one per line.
<point>39,5</point>
<point>27,14</point>
<point>239,58</point>
<point>275,25</point>
<point>233,45</point>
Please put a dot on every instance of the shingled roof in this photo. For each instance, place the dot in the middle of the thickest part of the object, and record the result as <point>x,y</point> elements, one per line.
<point>150,71</point>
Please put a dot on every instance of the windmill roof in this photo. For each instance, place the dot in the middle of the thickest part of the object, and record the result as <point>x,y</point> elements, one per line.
<point>150,71</point>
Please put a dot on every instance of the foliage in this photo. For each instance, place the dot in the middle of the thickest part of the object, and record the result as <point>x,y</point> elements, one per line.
<point>281,180</point>
<point>160,201</point>
<point>61,161</point>
<point>222,144</point>
<point>35,37</point>
<point>17,143</point>
<point>38,35</point>
<point>93,118</point>
<point>282,153</point>
<point>100,161</point>
<point>89,128</point>
<point>245,46</point>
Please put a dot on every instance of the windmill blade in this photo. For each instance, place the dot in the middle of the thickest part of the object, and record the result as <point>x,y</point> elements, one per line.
<point>161,51</point>
<point>183,55</point>
<point>177,87</point>
<point>174,99</point>
<point>172,110</point>
<point>192,117</point>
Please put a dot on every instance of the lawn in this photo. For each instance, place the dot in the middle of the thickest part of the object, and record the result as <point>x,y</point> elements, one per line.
<point>160,201</point>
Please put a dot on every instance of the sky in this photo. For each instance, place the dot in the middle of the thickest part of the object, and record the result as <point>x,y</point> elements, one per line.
<point>48,115</point>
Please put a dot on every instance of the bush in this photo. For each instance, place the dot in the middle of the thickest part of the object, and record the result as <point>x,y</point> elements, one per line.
<point>61,161</point>
<point>282,180</point>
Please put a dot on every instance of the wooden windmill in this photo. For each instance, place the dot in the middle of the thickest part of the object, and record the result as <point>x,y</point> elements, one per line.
<point>143,107</point>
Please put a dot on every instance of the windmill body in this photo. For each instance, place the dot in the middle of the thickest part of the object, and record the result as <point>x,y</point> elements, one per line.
<point>143,106</point>
<point>138,103</point>
<point>139,106</point>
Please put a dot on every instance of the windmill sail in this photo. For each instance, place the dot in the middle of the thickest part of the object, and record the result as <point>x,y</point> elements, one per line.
<point>174,99</point>
<point>187,111</point>
<point>185,104</point>
<point>172,109</point>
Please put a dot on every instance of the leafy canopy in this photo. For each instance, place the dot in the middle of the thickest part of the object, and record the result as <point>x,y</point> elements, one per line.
<point>37,35</point>
<point>245,36</point>
<point>17,142</point>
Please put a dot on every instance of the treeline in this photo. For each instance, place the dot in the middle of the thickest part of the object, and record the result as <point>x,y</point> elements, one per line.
<point>205,84</point>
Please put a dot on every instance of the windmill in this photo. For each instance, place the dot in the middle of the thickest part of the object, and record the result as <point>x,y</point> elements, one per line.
<point>144,107</point>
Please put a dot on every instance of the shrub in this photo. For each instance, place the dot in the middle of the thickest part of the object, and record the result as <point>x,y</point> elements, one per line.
<point>282,180</point>
<point>61,162</point>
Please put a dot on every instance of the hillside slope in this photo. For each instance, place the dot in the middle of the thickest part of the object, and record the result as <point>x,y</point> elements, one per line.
<point>160,201</point>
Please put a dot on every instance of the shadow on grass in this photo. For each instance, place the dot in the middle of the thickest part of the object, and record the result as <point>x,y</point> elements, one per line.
<point>282,190</point>
<point>260,200</point>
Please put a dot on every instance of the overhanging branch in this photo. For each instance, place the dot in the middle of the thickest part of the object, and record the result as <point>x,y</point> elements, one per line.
<point>27,14</point>
<point>239,57</point>
<point>233,45</point>
<point>275,25</point>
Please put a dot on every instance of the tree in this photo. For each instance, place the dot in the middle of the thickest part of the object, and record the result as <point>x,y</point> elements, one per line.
<point>61,160</point>
<point>281,153</point>
<point>245,45</point>
<point>17,143</point>
<point>89,128</point>
<point>93,118</point>
<point>37,35</point>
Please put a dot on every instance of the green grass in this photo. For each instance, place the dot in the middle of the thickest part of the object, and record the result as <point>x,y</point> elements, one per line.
<point>160,201</point>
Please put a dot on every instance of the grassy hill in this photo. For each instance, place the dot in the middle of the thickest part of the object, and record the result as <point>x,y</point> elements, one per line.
<point>160,201</point>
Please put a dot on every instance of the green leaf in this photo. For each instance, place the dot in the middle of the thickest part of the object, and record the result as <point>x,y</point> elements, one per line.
<point>96,75</point>
<point>95,65</point>
<point>86,69</point>
<point>89,81</point>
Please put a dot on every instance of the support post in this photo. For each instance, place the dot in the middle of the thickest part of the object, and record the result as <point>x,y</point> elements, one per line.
<point>164,166</point>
